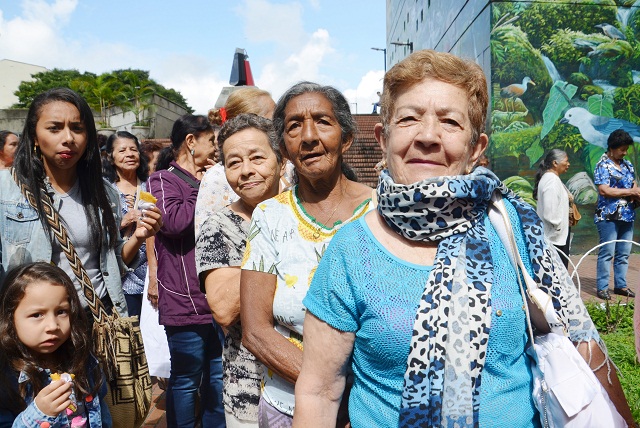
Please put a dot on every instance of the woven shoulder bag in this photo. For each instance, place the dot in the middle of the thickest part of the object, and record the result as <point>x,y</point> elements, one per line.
<point>117,340</point>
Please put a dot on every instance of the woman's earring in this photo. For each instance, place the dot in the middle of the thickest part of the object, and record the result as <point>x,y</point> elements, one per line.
<point>193,152</point>
<point>380,166</point>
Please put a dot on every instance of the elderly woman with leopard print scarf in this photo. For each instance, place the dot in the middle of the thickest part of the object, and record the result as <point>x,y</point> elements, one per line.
<point>419,297</point>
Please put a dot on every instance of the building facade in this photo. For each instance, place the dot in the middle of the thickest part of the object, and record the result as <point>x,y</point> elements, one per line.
<point>554,68</point>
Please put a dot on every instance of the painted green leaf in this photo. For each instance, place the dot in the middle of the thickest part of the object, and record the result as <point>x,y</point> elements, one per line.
<point>592,155</point>
<point>521,187</point>
<point>600,106</point>
<point>559,96</point>
<point>534,152</point>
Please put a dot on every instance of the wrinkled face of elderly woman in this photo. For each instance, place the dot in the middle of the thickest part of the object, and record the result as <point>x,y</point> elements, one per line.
<point>429,134</point>
<point>312,136</point>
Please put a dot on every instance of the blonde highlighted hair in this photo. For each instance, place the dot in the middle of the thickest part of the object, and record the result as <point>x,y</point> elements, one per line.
<point>245,100</point>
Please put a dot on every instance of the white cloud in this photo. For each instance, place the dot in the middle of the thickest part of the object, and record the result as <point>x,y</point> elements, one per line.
<point>59,12</point>
<point>194,77</point>
<point>315,4</point>
<point>39,35</point>
<point>268,22</point>
<point>365,95</point>
<point>277,76</point>
<point>34,36</point>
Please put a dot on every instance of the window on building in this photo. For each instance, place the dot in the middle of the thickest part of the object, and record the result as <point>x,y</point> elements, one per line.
<point>422,15</point>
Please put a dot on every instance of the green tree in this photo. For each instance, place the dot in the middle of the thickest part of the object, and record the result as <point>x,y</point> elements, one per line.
<point>127,76</point>
<point>44,81</point>
<point>116,82</point>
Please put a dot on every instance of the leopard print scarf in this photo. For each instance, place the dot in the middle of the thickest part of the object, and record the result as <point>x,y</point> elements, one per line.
<point>451,330</point>
<point>442,377</point>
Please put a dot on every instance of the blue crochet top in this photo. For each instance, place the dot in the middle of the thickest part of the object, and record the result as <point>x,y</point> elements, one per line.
<point>361,287</point>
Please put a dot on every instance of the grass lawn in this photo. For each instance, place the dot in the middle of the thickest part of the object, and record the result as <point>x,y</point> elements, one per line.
<point>615,324</point>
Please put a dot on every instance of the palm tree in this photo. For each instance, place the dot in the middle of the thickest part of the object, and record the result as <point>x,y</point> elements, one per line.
<point>139,92</point>
<point>101,92</point>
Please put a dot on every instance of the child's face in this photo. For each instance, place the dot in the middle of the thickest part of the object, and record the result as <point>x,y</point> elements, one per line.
<point>42,318</point>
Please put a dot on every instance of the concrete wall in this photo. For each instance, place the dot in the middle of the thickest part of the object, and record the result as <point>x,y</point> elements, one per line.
<point>161,115</point>
<point>12,73</point>
<point>165,114</point>
<point>13,120</point>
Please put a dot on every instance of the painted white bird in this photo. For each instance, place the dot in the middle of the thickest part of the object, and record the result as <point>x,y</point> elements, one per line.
<point>596,129</point>
<point>611,31</point>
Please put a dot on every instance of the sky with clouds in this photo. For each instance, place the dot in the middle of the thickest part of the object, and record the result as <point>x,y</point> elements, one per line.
<point>188,45</point>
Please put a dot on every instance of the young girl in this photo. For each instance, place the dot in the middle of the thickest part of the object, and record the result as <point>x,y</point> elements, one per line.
<point>43,334</point>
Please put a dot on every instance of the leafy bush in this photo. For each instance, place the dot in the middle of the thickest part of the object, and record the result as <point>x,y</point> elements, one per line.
<point>612,317</point>
<point>514,143</point>
<point>544,18</point>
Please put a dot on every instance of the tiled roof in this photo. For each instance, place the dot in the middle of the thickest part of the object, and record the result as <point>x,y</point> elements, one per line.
<point>365,152</point>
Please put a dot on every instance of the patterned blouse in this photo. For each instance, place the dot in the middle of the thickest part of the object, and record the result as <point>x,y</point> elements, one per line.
<point>221,243</point>
<point>133,282</point>
<point>213,195</point>
<point>286,241</point>
<point>607,172</point>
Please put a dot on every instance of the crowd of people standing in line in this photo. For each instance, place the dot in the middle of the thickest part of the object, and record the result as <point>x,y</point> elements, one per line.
<point>290,294</point>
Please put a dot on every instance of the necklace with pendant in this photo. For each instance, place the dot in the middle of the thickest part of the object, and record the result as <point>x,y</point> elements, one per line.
<point>318,225</point>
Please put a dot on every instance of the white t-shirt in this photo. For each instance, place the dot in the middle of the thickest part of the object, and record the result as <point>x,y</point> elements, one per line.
<point>72,214</point>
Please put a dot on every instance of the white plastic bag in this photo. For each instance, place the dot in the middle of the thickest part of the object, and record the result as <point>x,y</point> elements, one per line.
<point>565,386</point>
<point>154,338</point>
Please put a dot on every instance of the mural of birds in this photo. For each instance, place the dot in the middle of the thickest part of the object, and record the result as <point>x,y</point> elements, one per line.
<point>611,31</point>
<point>515,90</point>
<point>596,129</point>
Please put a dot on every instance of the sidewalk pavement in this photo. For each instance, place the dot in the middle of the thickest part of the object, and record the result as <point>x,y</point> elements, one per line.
<point>586,271</point>
<point>157,417</point>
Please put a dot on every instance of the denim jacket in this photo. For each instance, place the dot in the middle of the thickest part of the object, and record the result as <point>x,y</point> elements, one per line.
<point>24,240</point>
<point>97,411</point>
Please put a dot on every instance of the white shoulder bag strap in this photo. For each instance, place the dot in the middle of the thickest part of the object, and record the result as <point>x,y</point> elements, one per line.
<point>542,309</point>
